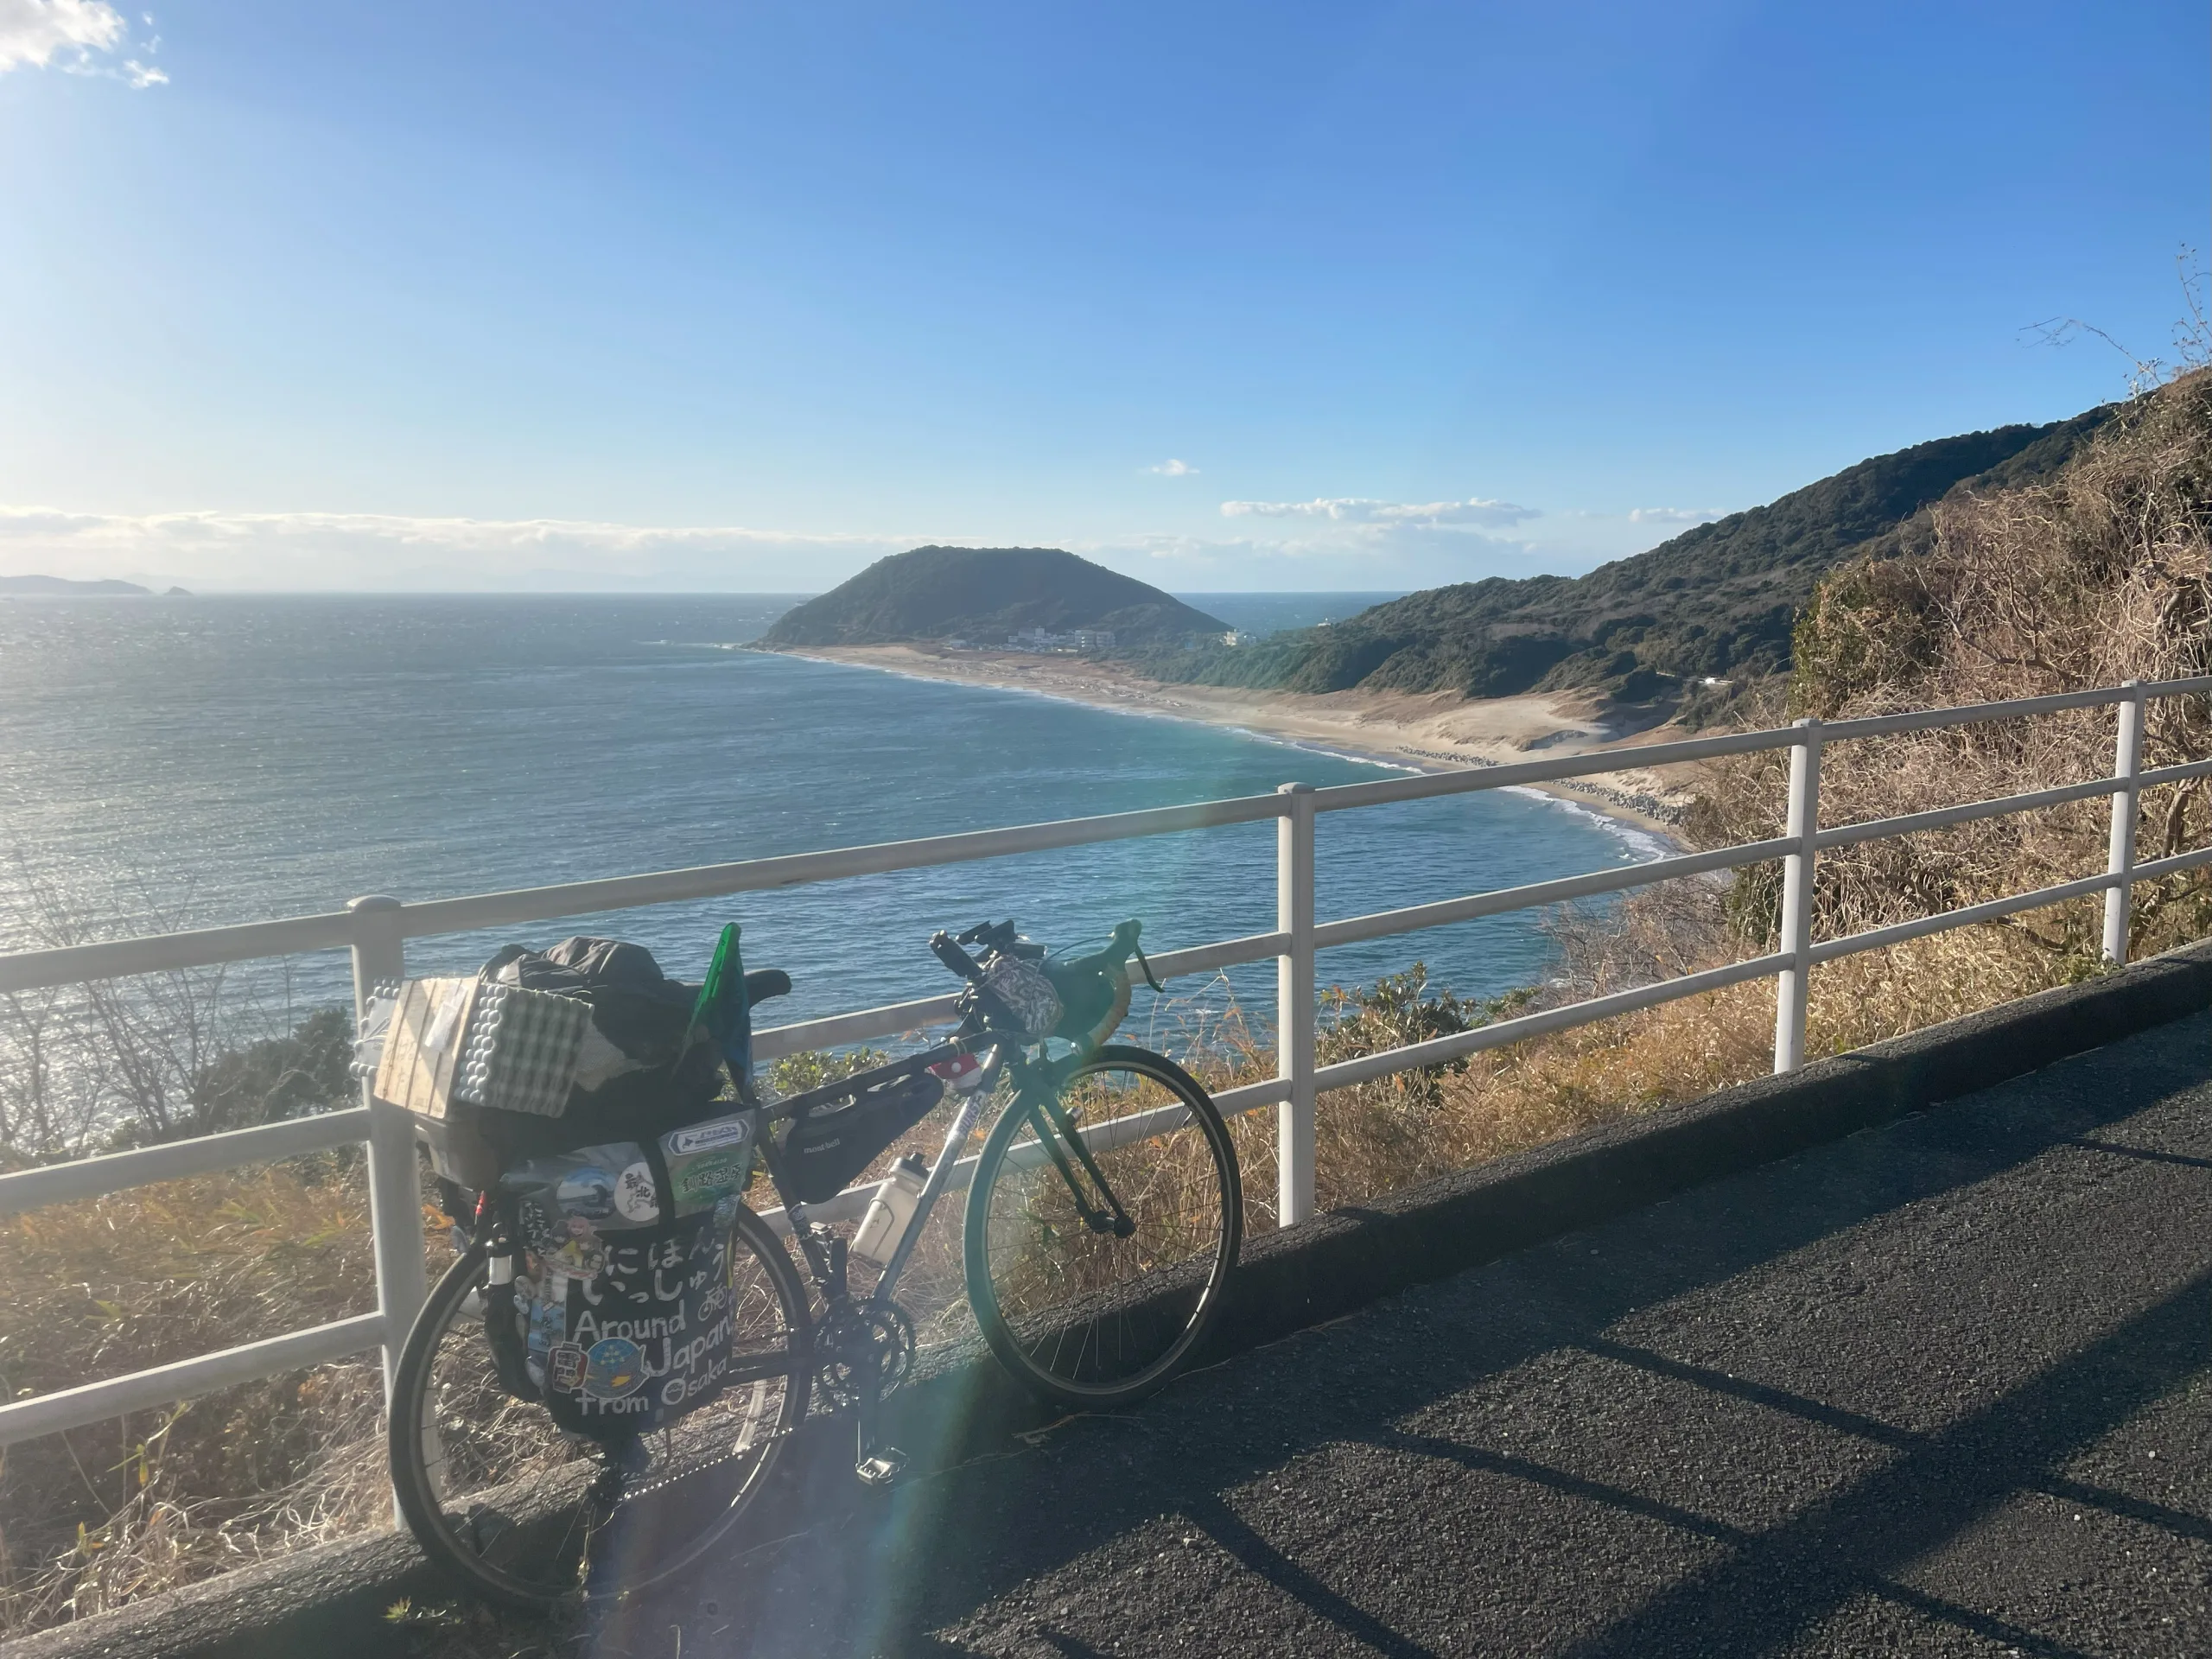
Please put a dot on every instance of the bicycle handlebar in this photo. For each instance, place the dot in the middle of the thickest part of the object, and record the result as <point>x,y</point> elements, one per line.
<point>951,949</point>
<point>949,952</point>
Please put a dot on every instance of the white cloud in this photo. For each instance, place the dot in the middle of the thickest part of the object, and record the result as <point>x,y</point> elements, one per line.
<point>335,551</point>
<point>1173,468</point>
<point>1359,510</point>
<point>1371,556</point>
<point>1672,516</point>
<point>65,34</point>
<point>362,552</point>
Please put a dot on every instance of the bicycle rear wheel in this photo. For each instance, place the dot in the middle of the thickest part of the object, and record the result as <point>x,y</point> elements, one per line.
<point>1083,1314</point>
<point>525,1516</point>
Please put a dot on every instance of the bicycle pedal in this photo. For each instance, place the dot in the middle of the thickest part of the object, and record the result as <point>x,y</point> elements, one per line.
<point>885,1467</point>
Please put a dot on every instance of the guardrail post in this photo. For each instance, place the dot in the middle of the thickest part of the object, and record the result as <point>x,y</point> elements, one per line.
<point>1795,981</point>
<point>2127,763</point>
<point>1294,1010</point>
<point>395,1195</point>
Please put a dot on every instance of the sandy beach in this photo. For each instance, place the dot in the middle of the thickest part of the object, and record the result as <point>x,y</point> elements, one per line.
<point>1431,731</point>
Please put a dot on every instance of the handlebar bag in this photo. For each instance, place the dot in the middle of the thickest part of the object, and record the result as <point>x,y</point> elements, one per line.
<point>1023,991</point>
<point>825,1147</point>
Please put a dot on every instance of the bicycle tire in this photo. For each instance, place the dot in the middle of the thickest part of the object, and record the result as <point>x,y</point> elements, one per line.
<point>557,1493</point>
<point>1083,1319</point>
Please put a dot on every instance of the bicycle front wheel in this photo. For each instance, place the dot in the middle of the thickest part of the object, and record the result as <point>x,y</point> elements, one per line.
<point>525,1516</point>
<point>1091,1301</point>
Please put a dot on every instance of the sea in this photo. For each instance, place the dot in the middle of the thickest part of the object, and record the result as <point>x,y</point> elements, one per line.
<point>184,762</point>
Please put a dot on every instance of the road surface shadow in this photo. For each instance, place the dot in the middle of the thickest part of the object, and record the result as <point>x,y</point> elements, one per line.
<point>827,1568</point>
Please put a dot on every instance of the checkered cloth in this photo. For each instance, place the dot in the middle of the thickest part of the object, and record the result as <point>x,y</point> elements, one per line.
<point>521,1050</point>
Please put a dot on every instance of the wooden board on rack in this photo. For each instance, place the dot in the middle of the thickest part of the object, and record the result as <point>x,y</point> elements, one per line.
<point>421,1051</point>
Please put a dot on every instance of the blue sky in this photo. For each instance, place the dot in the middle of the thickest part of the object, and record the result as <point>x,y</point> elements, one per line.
<point>1230,296</point>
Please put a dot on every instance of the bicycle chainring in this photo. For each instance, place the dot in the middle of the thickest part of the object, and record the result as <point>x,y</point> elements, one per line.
<point>857,1340</point>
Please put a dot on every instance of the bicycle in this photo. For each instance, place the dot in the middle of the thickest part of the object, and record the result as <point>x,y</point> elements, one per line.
<point>1103,1219</point>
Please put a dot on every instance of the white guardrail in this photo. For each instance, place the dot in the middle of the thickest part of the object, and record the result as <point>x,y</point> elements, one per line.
<point>376,931</point>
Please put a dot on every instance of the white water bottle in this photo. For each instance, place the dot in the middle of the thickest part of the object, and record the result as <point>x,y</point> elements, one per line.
<point>892,1209</point>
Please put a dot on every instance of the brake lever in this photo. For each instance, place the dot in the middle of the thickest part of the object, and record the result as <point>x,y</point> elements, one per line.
<point>1137,951</point>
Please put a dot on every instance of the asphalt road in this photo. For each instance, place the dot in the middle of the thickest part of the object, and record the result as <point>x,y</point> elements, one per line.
<point>1943,1387</point>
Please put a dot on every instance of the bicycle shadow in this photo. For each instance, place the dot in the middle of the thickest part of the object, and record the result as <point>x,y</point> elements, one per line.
<point>1003,1497</point>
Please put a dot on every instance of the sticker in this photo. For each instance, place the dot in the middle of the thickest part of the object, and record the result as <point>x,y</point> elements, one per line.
<point>633,1194</point>
<point>614,1367</point>
<point>729,1132</point>
<point>703,1179</point>
<point>588,1191</point>
<point>548,1325</point>
<point>448,1017</point>
<point>579,1258</point>
<point>962,1071</point>
<point>564,1367</point>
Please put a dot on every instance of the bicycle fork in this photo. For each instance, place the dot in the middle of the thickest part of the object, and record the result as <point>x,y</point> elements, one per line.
<point>1054,1126</point>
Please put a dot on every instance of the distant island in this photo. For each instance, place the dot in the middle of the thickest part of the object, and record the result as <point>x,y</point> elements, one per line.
<point>1037,598</point>
<point>56,586</point>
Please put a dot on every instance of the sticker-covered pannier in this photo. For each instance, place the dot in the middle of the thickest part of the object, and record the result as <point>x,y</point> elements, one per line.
<point>619,1315</point>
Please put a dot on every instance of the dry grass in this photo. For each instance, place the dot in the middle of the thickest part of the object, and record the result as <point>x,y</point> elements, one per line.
<point>105,1514</point>
<point>1530,1093</point>
<point>2102,575</point>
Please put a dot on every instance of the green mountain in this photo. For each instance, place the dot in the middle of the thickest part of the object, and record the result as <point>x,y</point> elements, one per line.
<point>50,585</point>
<point>1716,600</point>
<point>983,595</point>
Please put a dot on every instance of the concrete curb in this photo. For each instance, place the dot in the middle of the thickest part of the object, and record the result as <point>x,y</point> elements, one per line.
<point>334,1598</point>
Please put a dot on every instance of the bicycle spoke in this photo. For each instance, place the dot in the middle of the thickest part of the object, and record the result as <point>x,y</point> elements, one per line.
<point>1086,1312</point>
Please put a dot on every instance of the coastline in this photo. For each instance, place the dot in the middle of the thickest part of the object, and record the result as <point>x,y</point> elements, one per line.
<point>1421,732</point>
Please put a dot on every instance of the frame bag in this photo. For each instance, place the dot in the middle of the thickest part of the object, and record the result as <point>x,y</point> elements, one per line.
<point>825,1147</point>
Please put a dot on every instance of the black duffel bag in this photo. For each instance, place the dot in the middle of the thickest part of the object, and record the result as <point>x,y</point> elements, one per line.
<point>644,1069</point>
